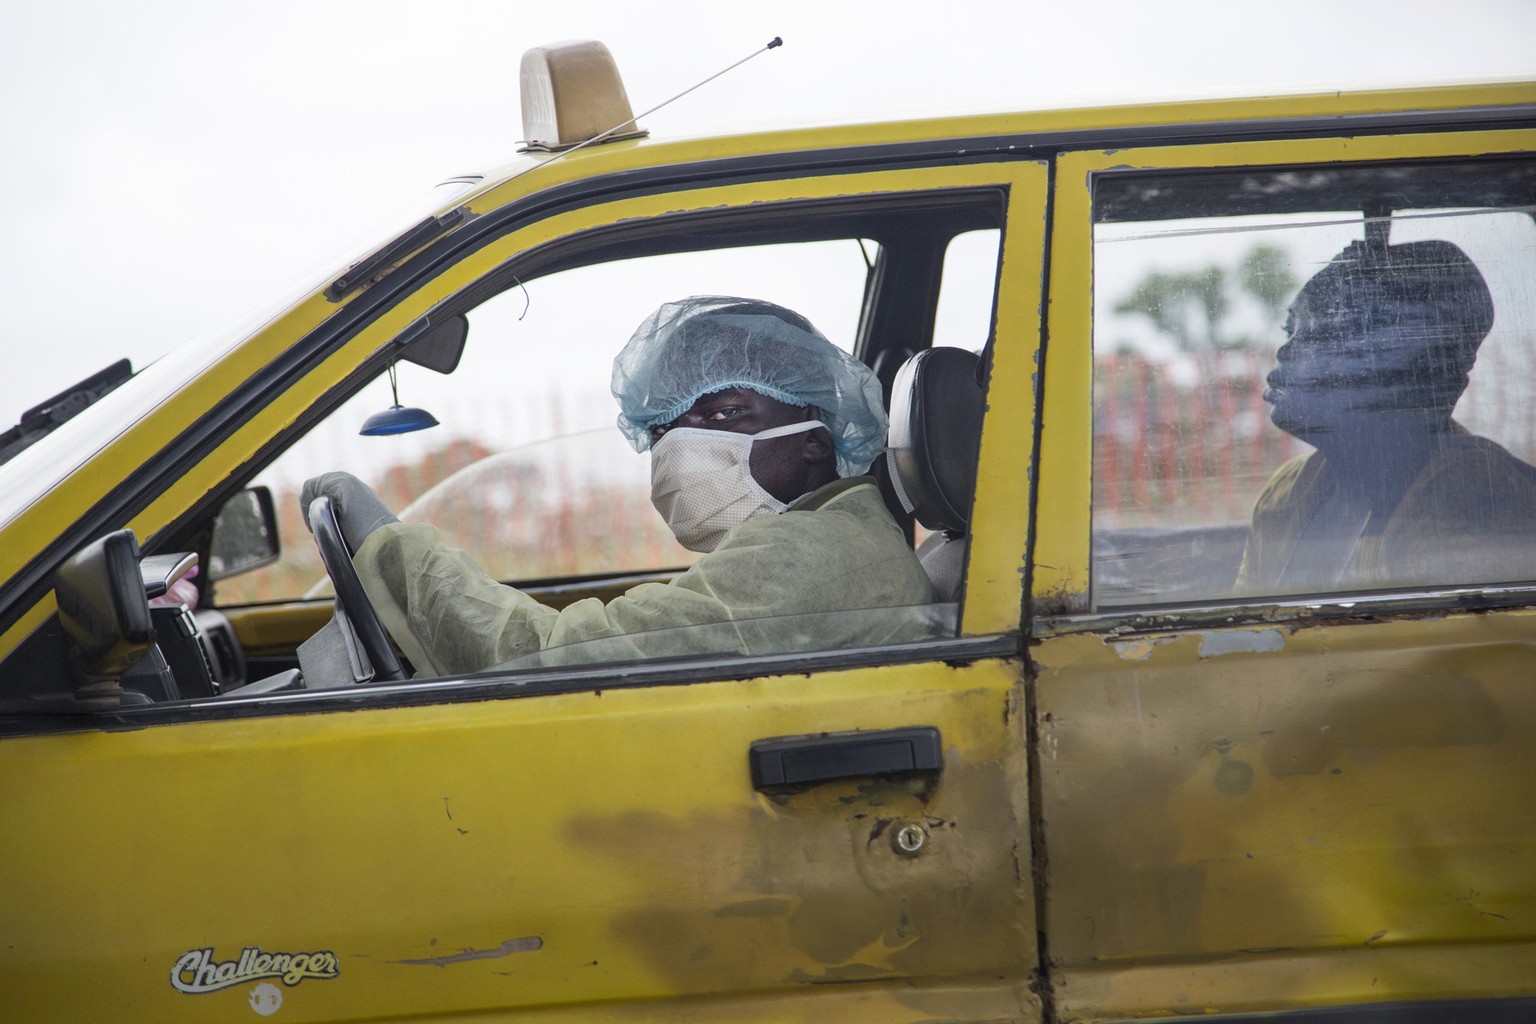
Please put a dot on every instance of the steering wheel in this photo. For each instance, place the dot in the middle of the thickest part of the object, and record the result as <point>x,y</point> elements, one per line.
<point>352,602</point>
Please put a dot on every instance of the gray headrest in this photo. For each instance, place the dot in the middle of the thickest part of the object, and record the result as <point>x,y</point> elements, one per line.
<point>935,434</point>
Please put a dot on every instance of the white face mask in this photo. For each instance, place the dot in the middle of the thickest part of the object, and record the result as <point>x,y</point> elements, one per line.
<point>702,483</point>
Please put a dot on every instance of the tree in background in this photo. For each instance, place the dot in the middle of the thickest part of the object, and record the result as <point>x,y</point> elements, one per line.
<point>1194,307</point>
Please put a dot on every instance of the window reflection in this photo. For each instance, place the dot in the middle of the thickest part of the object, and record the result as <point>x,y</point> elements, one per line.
<point>1313,400</point>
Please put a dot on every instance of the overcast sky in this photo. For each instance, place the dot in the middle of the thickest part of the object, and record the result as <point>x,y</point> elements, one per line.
<point>170,164</point>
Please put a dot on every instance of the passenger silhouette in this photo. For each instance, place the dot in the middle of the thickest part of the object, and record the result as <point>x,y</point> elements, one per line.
<point>1380,343</point>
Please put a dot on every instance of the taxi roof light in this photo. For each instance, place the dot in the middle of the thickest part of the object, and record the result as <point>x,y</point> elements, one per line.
<point>572,94</point>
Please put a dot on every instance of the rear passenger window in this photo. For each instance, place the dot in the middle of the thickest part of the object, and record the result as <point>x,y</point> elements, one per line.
<point>967,290</point>
<point>1313,381</point>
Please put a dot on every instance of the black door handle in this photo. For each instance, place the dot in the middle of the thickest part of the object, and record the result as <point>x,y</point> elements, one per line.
<point>807,760</point>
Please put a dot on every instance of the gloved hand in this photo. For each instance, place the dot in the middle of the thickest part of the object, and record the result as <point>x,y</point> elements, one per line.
<point>358,510</point>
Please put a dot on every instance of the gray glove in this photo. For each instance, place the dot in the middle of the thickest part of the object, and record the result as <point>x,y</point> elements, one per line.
<point>358,510</point>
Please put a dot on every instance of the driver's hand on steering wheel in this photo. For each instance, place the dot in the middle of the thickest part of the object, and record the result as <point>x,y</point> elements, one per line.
<point>359,511</point>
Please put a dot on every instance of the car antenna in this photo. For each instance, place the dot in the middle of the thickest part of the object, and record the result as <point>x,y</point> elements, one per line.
<point>772,44</point>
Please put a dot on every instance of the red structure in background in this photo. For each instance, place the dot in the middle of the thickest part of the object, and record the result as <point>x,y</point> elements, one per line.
<point>1186,448</point>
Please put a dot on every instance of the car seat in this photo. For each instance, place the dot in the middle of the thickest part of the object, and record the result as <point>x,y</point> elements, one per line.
<point>935,435</point>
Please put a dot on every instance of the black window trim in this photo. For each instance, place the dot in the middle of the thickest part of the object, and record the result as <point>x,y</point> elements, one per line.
<point>523,684</point>
<point>1287,610</point>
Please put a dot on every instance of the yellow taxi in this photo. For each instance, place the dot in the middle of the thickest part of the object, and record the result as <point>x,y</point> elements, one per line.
<point>1213,423</point>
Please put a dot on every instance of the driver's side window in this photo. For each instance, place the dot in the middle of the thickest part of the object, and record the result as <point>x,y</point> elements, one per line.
<point>526,470</point>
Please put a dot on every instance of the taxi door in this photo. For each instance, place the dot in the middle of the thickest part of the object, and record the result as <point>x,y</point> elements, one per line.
<point>1266,795</point>
<point>602,843</point>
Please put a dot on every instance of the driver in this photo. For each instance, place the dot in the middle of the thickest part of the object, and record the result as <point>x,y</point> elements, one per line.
<point>759,430</point>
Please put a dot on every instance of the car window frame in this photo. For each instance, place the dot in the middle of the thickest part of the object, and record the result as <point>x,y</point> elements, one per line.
<point>1061,585</point>
<point>345,351</point>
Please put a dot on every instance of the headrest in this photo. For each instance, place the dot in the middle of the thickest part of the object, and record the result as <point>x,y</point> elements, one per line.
<point>935,435</point>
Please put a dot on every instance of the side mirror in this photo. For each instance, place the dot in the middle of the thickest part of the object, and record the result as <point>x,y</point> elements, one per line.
<point>104,610</point>
<point>244,534</point>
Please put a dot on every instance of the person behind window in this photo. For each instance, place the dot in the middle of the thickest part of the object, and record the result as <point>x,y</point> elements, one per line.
<point>1380,344</point>
<point>759,430</point>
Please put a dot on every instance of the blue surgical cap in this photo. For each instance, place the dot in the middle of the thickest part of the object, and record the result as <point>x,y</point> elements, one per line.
<point>706,343</point>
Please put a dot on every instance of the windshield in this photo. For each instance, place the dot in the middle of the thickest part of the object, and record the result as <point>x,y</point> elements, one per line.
<point>33,471</point>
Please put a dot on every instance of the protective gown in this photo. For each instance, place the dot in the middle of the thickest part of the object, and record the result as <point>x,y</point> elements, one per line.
<point>775,583</point>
